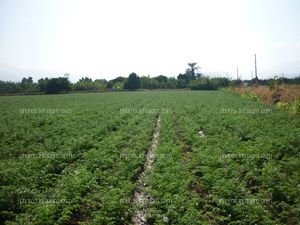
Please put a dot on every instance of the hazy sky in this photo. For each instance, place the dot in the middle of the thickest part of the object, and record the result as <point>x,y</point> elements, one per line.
<point>105,39</point>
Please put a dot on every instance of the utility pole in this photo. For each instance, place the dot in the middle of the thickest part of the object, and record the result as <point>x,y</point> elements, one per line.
<point>255,68</point>
<point>237,73</point>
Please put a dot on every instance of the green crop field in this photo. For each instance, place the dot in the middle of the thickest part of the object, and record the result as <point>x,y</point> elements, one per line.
<point>152,157</point>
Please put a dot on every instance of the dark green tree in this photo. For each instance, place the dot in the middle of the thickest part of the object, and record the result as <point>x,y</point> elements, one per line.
<point>85,80</point>
<point>118,80</point>
<point>133,82</point>
<point>193,71</point>
<point>42,84</point>
<point>27,84</point>
<point>109,85</point>
<point>57,85</point>
<point>27,81</point>
<point>183,77</point>
<point>161,79</point>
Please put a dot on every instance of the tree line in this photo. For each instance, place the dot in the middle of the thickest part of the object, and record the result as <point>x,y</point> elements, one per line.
<point>190,79</point>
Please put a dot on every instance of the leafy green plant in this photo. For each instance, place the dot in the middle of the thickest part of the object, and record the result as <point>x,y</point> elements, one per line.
<point>293,107</point>
<point>250,95</point>
<point>241,165</point>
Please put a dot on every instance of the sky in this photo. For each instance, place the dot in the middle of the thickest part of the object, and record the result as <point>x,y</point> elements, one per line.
<point>110,38</point>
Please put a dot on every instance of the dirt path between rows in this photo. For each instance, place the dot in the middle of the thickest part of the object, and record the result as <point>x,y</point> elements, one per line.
<point>140,196</point>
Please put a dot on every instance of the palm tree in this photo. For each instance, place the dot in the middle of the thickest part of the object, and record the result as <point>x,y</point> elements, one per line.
<point>193,71</point>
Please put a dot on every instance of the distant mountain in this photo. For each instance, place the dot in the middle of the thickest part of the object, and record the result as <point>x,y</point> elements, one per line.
<point>12,73</point>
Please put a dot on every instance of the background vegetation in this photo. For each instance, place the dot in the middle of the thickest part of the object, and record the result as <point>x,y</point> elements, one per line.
<point>190,79</point>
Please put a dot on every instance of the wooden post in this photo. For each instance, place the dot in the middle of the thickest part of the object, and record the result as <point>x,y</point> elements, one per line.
<point>255,68</point>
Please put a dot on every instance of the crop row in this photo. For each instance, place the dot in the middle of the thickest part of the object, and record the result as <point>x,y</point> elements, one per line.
<point>81,161</point>
<point>226,168</point>
<point>220,159</point>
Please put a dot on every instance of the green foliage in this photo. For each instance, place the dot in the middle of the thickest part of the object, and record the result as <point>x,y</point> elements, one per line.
<point>293,107</point>
<point>234,83</point>
<point>206,83</point>
<point>192,180</point>
<point>192,79</point>
<point>87,168</point>
<point>190,74</point>
<point>133,82</point>
<point>214,188</point>
<point>109,85</point>
<point>250,95</point>
<point>86,84</point>
<point>274,83</point>
<point>42,83</point>
<point>26,86</point>
<point>57,85</point>
<point>149,83</point>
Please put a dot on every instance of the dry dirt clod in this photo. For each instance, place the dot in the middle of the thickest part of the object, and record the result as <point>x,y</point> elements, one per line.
<point>201,133</point>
